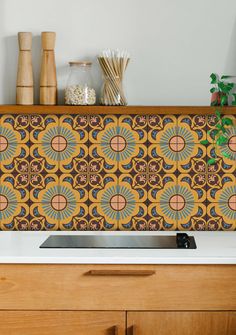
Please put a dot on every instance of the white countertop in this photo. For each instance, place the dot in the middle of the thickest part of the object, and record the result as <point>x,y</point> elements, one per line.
<point>23,247</point>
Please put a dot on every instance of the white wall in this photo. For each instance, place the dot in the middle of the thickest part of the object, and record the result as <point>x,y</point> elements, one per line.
<point>174,44</point>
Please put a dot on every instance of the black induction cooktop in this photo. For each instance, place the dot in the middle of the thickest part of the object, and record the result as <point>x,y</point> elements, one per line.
<point>178,241</point>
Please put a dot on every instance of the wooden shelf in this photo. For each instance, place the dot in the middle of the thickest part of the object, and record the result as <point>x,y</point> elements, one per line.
<point>92,110</point>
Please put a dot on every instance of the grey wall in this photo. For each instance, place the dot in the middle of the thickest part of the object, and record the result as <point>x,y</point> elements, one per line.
<point>174,44</point>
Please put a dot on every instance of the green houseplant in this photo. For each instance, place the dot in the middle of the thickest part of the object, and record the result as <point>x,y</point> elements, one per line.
<point>221,92</point>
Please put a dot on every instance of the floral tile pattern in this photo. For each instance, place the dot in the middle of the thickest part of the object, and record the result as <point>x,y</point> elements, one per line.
<point>115,172</point>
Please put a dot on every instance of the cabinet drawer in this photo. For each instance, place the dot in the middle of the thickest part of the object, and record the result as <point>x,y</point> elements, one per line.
<point>62,323</point>
<point>118,287</point>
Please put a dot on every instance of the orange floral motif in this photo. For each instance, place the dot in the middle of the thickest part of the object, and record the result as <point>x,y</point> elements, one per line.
<point>115,172</point>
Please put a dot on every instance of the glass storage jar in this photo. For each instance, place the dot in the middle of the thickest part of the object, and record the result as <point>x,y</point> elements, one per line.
<point>80,89</point>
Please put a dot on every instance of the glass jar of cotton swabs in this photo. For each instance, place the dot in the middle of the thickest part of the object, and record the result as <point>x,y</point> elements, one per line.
<point>113,64</point>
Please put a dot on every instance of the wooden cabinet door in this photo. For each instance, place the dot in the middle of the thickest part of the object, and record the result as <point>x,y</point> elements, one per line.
<point>61,323</point>
<point>182,323</point>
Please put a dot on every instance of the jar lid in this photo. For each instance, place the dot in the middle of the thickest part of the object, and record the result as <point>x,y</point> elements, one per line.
<point>80,63</point>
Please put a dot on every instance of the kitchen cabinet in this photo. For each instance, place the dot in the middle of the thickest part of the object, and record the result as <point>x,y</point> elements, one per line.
<point>61,323</point>
<point>106,299</point>
<point>181,323</point>
<point>117,287</point>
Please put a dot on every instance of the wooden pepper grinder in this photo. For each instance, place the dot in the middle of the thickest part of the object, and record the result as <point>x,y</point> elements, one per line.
<point>48,78</point>
<point>24,83</point>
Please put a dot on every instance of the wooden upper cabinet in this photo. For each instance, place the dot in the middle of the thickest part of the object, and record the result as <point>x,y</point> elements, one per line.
<point>181,323</point>
<point>62,323</point>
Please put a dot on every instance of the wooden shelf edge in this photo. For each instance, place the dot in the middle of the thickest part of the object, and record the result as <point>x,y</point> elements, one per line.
<point>92,110</point>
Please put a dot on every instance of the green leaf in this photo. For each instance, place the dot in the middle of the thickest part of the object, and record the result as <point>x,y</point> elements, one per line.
<point>214,78</point>
<point>234,101</point>
<point>227,122</point>
<point>225,154</point>
<point>218,114</point>
<point>226,77</point>
<point>223,100</point>
<point>222,140</point>
<point>211,161</point>
<point>230,86</point>
<point>204,142</point>
<point>222,87</point>
<point>225,88</point>
<point>213,90</point>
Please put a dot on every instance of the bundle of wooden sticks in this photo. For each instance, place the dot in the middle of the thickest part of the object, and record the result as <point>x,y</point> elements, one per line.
<point>113,64</point>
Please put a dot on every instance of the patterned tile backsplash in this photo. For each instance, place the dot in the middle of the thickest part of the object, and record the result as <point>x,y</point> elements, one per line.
<point>107,172</point>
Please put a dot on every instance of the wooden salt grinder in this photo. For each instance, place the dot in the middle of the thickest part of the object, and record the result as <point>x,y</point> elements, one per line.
<point>24,82</point>
<point>48,77</point>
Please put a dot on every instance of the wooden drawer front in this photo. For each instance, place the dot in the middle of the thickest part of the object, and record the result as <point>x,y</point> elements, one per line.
<point>181,323</point>
<point>62,323</point>
<point>118,287</point>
